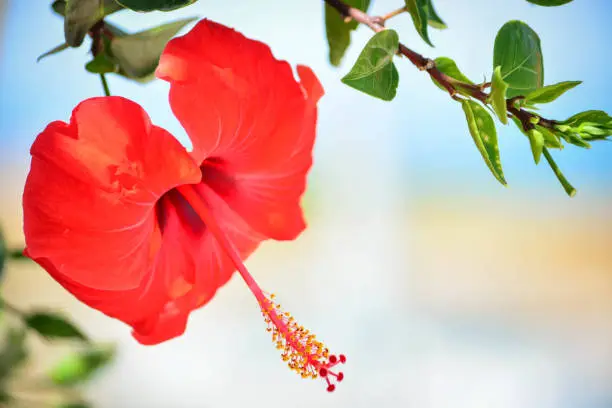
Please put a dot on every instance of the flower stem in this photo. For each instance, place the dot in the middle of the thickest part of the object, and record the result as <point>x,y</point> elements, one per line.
<point>105,85</point>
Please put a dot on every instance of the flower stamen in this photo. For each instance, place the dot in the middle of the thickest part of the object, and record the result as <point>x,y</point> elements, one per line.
<point>303,353</point>
<point>301,350</point>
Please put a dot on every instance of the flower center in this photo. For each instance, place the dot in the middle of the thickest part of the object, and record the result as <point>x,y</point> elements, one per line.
<point>300,349</point>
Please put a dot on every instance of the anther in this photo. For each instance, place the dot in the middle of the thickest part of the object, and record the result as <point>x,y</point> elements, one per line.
<point>323,372</point>
<point>333,359</point>
<point>331,387</point>
<point>342,358</point>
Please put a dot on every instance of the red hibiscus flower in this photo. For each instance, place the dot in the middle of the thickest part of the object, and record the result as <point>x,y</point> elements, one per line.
<point>134,225</point>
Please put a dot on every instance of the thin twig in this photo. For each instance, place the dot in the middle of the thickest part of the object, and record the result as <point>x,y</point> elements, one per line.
<point>393,13</point>
<point>425,64</point>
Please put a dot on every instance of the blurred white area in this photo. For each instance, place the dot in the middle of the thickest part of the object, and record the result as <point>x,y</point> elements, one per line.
<point>443,289</point>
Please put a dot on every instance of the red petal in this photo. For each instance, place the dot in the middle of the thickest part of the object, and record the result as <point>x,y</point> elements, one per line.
<point>90,194</point>
<point>249,118</point>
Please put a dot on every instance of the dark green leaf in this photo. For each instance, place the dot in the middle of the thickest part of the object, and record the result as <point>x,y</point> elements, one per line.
<point>449,67</point>
<point>518,52</point>
<point>434,19</point>
<point>550,3</point>
<point>13,353</point>
<point>550,92</point>
<point>482,129</point>
<point>151,5</point>
<point>79,367</point>
<point>138,54</point>
<point>53,326</point>
<point>81,15</point>
<point>338,32</point>
<point>498,95</point>
<point>374,72</point>
<point>52,51</point>
<point>418,10</point>
<point>73,405</point>
<point>569,189</point>
<point>101,64</point>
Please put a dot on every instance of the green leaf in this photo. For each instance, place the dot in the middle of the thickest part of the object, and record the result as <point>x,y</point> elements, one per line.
<point>79,367</point>
<point>52,51</point>
<point>151,5</point>
<point>138,54</point>
<point>550,3</point>
<point>569,189</point>
<point>550,92</point>
<point>449,67</point>
<point>338,32</point>
<point>482,129</point>
<point>518,52</point>
<point>551,139</point>
<point>101,64</point>
<point>418,10</point>
<point>73,405</point>
<point>13,353</point>
<point>434,19</point>
<point>591,125</point>
<point>81,15</point>
<point>53,326</point>
<point>498,95</point>
<point>536,140</point>
<point>374,72</point>
<point>3,254</point>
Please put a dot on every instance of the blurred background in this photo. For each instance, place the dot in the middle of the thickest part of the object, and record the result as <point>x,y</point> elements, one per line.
<point>443,288</point>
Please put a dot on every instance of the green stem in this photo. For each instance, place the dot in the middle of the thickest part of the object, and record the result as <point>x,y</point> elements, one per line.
<point>569,189</point>
<point>105,85</point>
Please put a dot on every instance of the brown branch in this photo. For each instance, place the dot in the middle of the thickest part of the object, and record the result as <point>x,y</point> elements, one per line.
<point>425,64</point>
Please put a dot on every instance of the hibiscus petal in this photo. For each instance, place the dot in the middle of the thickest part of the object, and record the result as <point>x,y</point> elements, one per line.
<point>251,123</point>
<point>90,194</point>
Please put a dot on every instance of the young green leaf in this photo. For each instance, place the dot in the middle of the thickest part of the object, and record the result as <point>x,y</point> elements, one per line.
<point>52,51</point>
<point>449,67</point>
<point>498,95</point>
<point>374,72</point>
<point>482,129</point>
<point>339,32</point>
<point>434,19</point>
<point>518,52</point>
<point>151,5</point>
<point>591,125</point>
<point>536,140</point>
<point>551,139</point>
<point>138,54</point>
<point>53,326</point>
<point>550,92</point>
<point>419,11</point>
<point>81,15</point>
<point>79,367</point>
<point>550,3</point>
<point>569,189</point>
